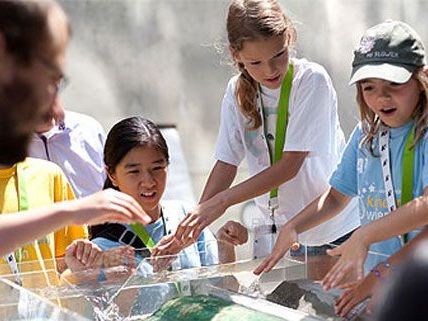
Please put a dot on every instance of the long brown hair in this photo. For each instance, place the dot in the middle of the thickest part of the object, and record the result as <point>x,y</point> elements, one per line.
<point>371,122</point>
<point>252,20</point>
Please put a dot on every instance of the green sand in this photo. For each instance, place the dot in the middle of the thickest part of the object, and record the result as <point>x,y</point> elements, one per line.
<point>206,308</point>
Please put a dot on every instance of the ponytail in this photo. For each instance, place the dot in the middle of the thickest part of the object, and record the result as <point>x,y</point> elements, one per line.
<point>246,96</point>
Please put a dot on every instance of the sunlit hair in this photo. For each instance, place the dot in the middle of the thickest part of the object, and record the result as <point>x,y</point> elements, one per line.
<point>130,133</point>
<point>371,122</point>
<point>250,20</point>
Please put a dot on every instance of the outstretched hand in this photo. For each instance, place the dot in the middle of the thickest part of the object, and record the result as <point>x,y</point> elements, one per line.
<point>107,206</point>
<point>191,227</point>
<point>287,239</point>
<point>119,256</point>
<point>357,292</point>
<point>164,253</point>
<point>198,219</point>
<point>353,253</point>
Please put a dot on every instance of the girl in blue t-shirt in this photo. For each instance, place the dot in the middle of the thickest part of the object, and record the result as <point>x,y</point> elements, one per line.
<point>136,158</point>
<point>391,79</point>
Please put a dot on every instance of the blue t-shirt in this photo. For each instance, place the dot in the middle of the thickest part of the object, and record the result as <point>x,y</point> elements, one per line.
<point>204,252</point>
<point>359,173</point>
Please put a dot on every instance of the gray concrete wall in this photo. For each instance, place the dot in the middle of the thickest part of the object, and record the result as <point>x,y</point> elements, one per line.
<point>158,58</point>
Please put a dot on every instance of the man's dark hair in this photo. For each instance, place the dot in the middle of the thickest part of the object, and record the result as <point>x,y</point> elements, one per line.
<point>24,27</point>
<point>25,32</point>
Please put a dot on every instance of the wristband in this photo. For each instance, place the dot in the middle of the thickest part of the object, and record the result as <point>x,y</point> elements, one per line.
<point>101,276</point>
<point>376,272</point>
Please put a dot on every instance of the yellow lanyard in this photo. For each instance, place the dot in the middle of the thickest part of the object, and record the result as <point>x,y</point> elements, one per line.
<point>22,206</point>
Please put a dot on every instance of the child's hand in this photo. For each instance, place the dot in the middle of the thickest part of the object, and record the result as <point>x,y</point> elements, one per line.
<point>287,239</point>
<point>118,263</point>
<point>162,258</point>
<point>233,233</point>
<point>82,254</point>
<point>353,253</point>
<point>106,206</point>
<point>119,256</point>
<point>198,219</point>
<point>355,293</point>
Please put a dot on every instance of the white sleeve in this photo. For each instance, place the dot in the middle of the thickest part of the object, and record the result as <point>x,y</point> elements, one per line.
<point>230,148</point>
<point>313,119</point>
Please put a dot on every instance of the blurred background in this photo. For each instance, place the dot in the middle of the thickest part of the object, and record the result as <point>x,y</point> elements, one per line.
<point>167,60</point>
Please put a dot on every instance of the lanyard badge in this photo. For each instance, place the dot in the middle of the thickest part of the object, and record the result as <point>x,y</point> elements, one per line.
<point>407,171</point>
<point>280,132</point>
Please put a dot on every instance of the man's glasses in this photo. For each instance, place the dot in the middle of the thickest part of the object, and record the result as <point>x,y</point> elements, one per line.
<point>57,72</point>
<point>62,84</point>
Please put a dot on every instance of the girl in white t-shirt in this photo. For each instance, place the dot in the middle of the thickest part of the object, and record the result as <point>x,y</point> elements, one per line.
<point>260,40</point>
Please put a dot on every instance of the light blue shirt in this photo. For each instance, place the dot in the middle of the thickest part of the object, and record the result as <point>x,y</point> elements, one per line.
<point>360,174</point>
<point>204,252</point>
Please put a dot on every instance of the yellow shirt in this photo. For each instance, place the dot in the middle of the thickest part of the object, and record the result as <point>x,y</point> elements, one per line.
<point>45,184</point>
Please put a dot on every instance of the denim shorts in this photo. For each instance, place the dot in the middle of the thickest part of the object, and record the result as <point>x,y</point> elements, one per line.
<point>321,249</point>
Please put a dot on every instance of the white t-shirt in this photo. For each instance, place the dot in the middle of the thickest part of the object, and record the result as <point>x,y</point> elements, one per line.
<point>313,127</point>
<point>77,149</point>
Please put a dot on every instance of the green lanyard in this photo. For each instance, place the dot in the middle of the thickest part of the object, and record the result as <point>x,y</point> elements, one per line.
<point>280,130</point>
<point>144,236</point>
<point>408,171</point>
<point>22,189</point>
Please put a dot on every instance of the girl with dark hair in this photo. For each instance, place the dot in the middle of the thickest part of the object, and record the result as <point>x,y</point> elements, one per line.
<point>136,158</point>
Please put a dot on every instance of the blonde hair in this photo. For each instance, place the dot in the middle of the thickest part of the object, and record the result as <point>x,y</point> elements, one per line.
<point>252,20</point>
<point>371,122</point>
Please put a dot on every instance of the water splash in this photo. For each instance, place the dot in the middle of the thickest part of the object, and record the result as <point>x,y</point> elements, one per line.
<point>104,309</point>
<point>253,290</point>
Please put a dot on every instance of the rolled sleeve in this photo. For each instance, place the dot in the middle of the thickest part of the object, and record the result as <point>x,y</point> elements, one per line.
<point>230,147</point>
<point>344,178</point>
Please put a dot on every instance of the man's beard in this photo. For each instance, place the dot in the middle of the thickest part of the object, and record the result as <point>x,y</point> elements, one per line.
<point>19,115</point>
<point>13,148</point>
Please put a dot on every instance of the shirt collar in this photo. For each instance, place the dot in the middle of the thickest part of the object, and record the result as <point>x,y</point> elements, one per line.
<point>63,128</point>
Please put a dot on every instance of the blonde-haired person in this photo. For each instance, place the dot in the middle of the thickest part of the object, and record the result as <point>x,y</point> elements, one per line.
<point>261,41</point>
<point>385,159</point>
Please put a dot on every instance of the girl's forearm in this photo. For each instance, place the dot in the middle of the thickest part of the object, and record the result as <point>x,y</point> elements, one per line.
<point>75,278</point>
<point>272,177</point>
<point>220,179</point>
<point>405,219</point>
<point>398,257</point>
<point>323,208</point>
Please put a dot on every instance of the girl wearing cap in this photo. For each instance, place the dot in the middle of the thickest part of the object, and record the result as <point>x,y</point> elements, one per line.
<point>384,162</point>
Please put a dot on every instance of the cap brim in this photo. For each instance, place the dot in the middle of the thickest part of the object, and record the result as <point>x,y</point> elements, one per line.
<point>393,73</point>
